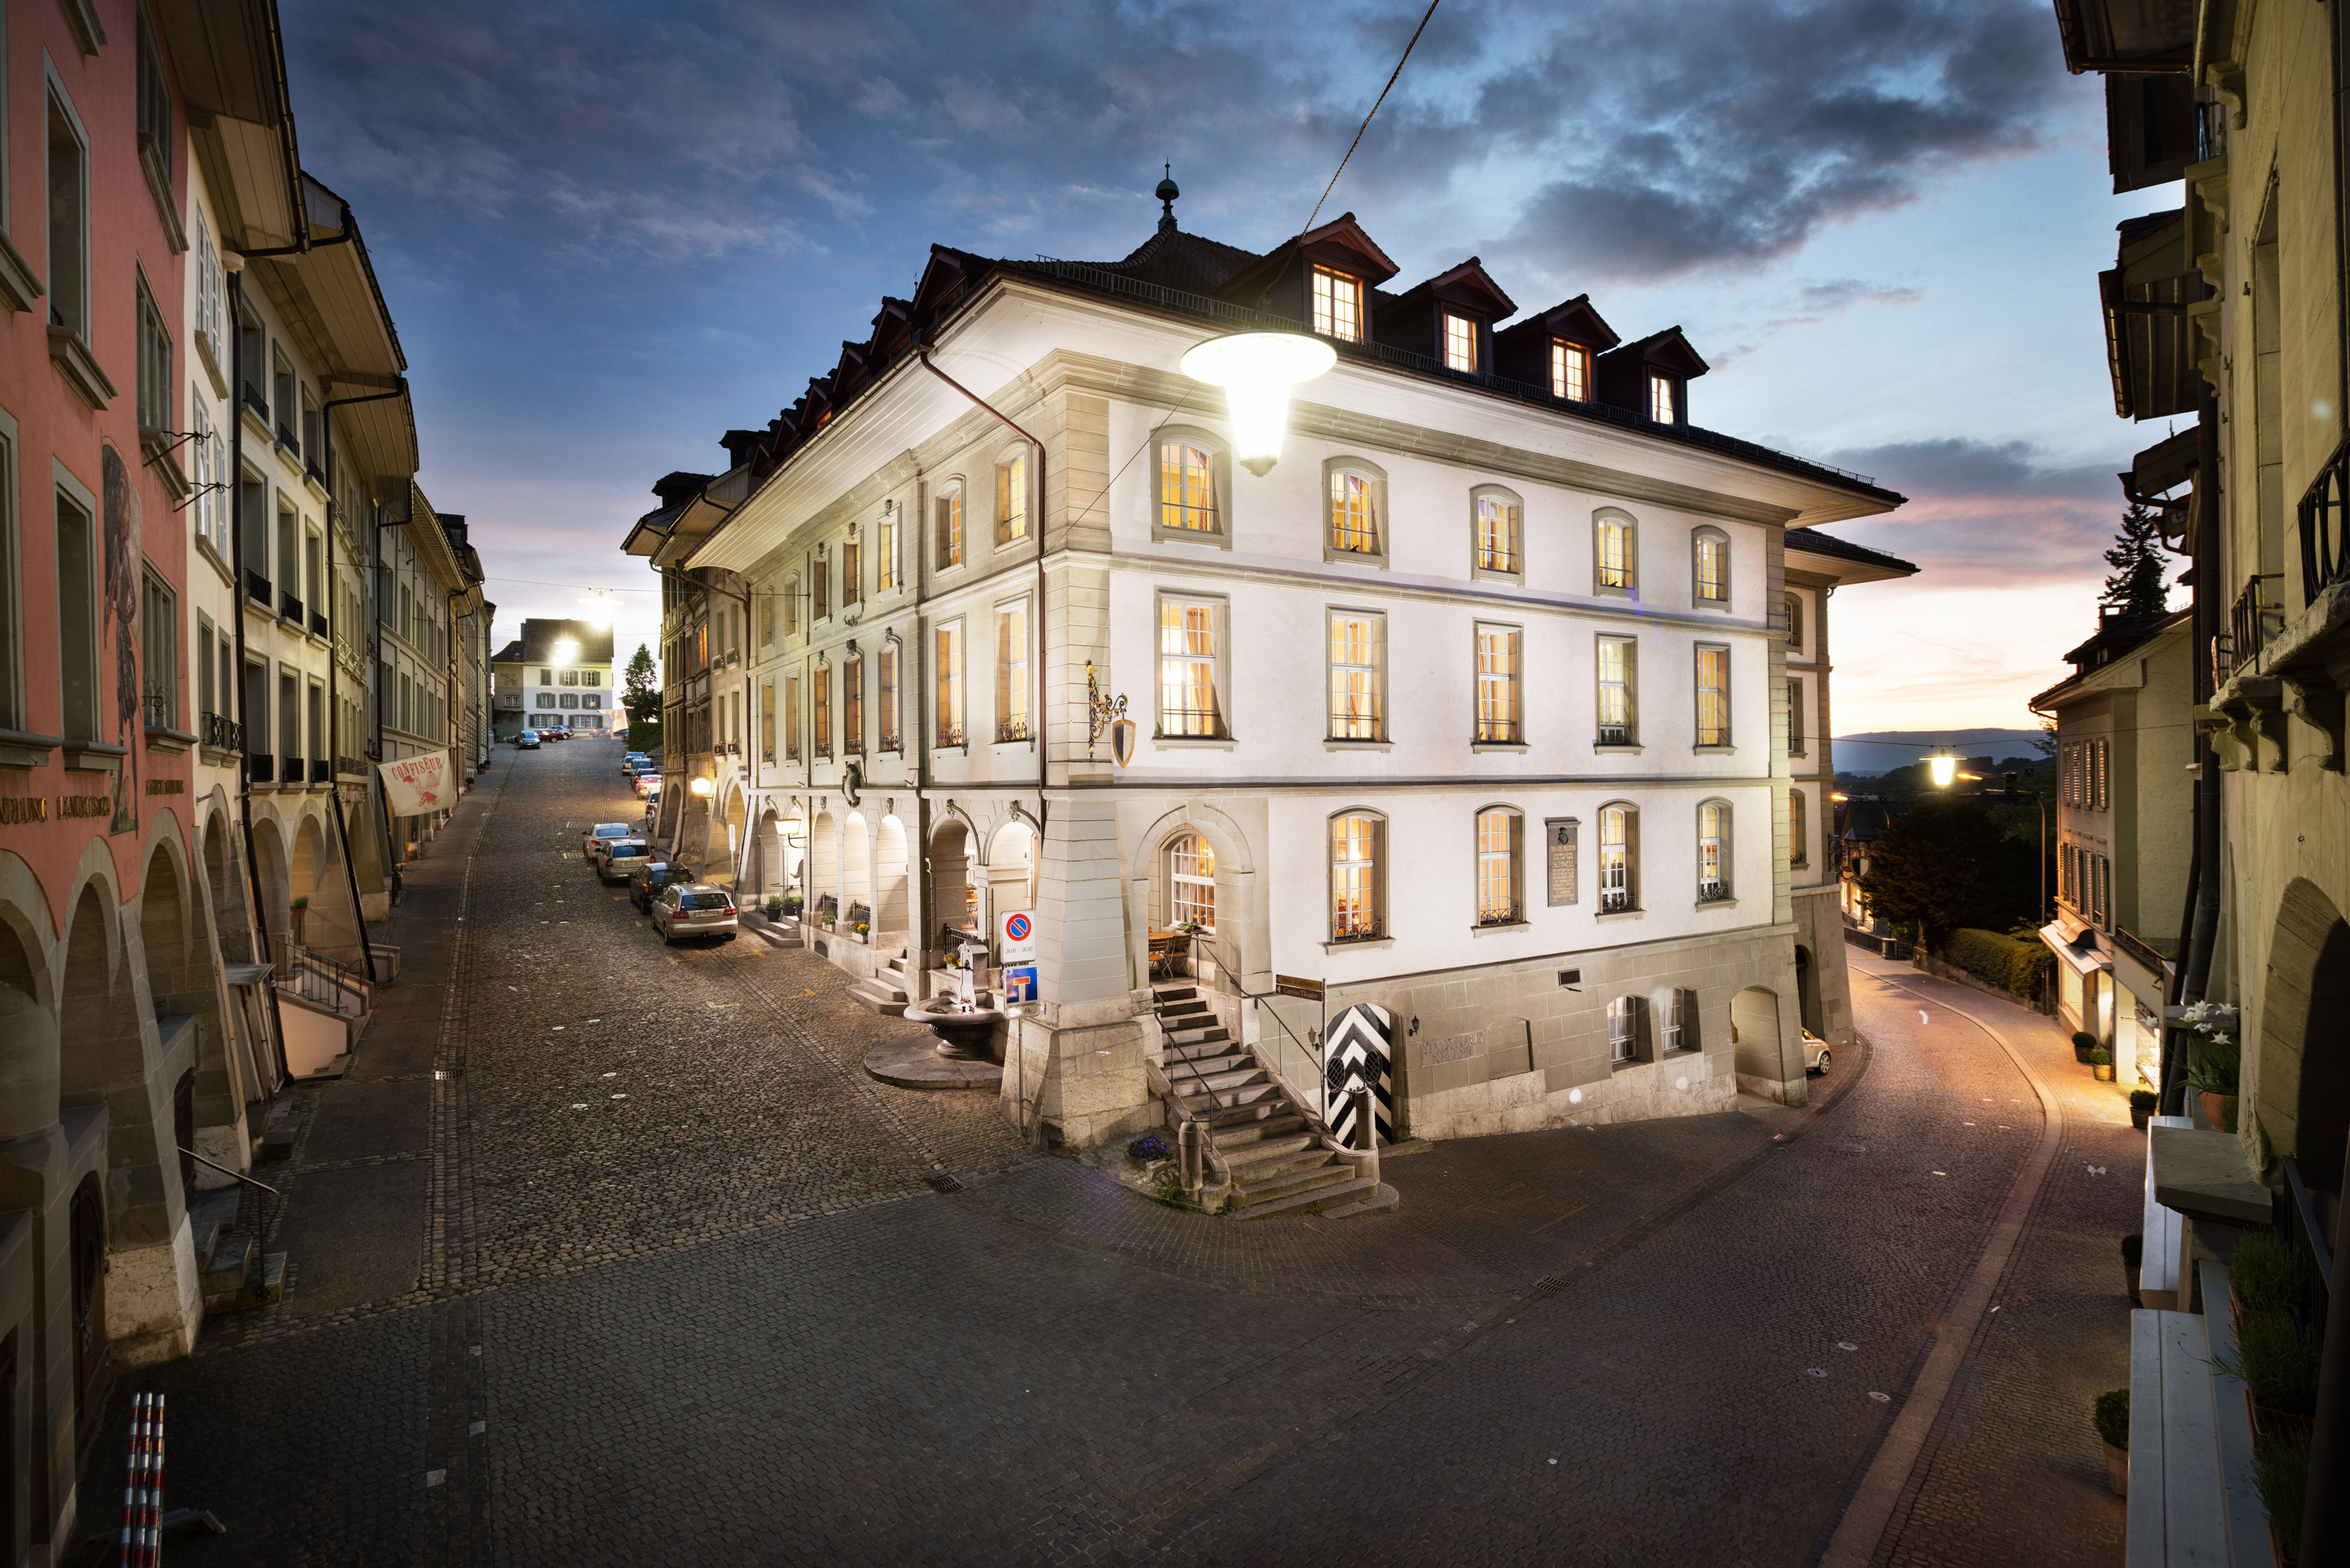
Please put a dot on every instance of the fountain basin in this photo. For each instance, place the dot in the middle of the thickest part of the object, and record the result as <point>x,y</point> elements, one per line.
<point>964,1034</point>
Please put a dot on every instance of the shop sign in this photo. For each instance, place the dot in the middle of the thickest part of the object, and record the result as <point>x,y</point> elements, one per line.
<point>415,785</point>
<point>1290,985</point>
<point>1558,836</point>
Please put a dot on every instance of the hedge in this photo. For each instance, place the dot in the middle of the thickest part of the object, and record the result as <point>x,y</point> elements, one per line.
<point>2004,962</point>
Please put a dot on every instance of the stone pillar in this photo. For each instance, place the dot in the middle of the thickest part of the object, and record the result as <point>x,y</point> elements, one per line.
<point>1080,1069</point>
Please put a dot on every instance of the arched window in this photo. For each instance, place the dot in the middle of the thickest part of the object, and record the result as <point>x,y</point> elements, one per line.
<point>1714,852</point>
<point>1799,830</point>
<point>1794,623</point>
<point>1500,850</point>
<point>1497,519</point>
<point>1619,857</point>
<point>1012,496</point>
<point>1615,552</point>
<point>1187,487</point>
<point>1710,567</point>
<point>1357,496</point>
<point>947,511</point>
<point>1358,845</point>
<point>1192,882</point>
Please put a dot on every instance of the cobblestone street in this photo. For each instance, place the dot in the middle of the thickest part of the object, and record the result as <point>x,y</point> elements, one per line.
<point>609,1253</point>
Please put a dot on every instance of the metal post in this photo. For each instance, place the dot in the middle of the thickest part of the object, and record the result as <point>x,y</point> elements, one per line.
<point>1367,1120</point>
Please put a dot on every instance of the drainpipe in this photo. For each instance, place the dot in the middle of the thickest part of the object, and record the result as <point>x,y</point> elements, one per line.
<point>244,675</point>
<point>2194,972</point>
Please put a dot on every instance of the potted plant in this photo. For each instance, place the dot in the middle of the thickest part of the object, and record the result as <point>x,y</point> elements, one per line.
<point>2142,1104</point>
<point>2213,1074</point>
<point>2111,1416</point>
<point>860,931</point>
<point>2101,1063</point>
<point>2276,1361</point>
<point>2264,1275</point>
<point>794,905</point>
<point>1149,1148</point>
<point>2083,1044</point>
<point>2281,1472</point>
<point>2133,1256</point>
<point>774,907</point>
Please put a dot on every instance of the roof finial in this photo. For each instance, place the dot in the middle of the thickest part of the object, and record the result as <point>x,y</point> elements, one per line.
<point>1166,192</point>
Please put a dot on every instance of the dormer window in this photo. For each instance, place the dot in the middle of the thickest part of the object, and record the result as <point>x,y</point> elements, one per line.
<point>1570,370</point>
<point>1337,305</point>
<point>1664,403</point>
<point>1461,343</point>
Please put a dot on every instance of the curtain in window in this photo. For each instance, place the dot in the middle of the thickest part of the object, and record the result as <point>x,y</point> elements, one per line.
<point>1354,523</point>
<point>1614,858</point>
<point>823,711</point>
<point>890,741</point>
<point>1615,692</point>
<point>1012,673</point>
<point>1354,871</point>
<point>1354,696</point>
<point>852,706</point>
<point>1614,554</point>
<point>792,717</point>
<point>1712,870</point>
<point>1497,534</point>
<point>949,677</point>
<point>1012,500</point>
<point>1497,868</point>
<point>1497,685</point>
<point>1187,488</point>
<point>1712,568</point>
<point>1713,696</point>
<point>1187,701</point>
<point>950,519</point>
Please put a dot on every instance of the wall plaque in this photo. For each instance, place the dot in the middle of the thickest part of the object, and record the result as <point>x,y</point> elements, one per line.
<point>1558,835</point>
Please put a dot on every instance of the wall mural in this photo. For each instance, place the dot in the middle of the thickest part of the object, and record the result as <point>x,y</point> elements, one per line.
<point>123,583</point>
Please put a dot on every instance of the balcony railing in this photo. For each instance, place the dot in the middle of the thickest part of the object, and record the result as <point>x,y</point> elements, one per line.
<point>1615,734</point>
<point>292,770</point>
<point>949,735</point>
<point>220,732</point>
<point>1012,729</point>
<point>258,401</point>
<point>2138,948</point>
<point>257,587</point>
<point>1354,727</point>
<point>317,624</point>
<point>1191,723</point>
<point>1498,732</point>
<point>2250,622</point>
<point>889,742</point>
<point>351,765</point>
<point>1499,915</point>
<point>290,608</point>
<point>1713,892</point>
<point>261,768</point>
<point>2325,526</point>
<point>321,771</point>
<point>1615,900</point>
<point>1356,929</point>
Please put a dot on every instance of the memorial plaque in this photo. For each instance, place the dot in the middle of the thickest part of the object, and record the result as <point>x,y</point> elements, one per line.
<point>1558,833</point>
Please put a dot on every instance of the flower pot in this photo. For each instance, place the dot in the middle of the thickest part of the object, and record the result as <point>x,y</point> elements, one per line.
<point>2220,1111</point>
<point>2105,1073</point>
<point>2139,1118</point>
<point>2276,1550</point>
<point>2274,1426</point>
<point>2130,1276</point>
<point>2081,1053</point>
<point>2117,1469</point>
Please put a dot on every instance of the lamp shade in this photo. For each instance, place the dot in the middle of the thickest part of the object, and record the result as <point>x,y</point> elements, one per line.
<point>699,786</point>
<point>1944,767</point>
<point>1256,371</point>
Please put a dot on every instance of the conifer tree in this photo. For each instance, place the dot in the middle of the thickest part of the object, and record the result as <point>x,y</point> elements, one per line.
<point>2137,586</point>
<point>641,697</point>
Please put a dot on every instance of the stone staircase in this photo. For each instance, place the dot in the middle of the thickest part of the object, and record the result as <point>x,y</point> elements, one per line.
<point>891,990</point>
<point>1279,1160</point>
<point>235,1272</point>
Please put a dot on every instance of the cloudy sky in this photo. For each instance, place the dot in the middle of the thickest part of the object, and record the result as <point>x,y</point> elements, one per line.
<point>610,231</point>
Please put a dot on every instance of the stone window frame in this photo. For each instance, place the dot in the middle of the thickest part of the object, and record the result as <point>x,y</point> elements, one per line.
<point>1682,1033</point>
<point>1630,740</point>
<point>1700,538</point>
<point>1799,831</point>
<point>1382,525</point>
<point>1799,739</point>
<point>1630,1040</point>
<point>951,524</point>
<point>1630,901</point>
<point>1012,502</point>
<point>1630,587</point>
<point>1219,487</point>
<point>1725,890</point>
<point>1728,738</point>
<point>1795,622</point>
<point>1516,571</point>
<point>1375,888</point>
<point>1514,856</point>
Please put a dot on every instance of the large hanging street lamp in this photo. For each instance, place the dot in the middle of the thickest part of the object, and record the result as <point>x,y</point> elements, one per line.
<point>1256,371</point>
<point>1944,767</point>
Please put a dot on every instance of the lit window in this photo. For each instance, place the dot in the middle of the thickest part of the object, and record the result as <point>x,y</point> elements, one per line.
<point>766,721</point>
<point>1357,640</point>
<point>1617,885</point>
<point>885,548</point>
<point>1192,882</point>
<point>1570,370</point>
<point>1497,534</point>
<point>1355,843</point>
<point>1353,517</point>
<point>1794,623</point>
<point>1497,685</point>
<point>950,678</point>
<point>1188,698</point>
<point>1711,567</point>
<point>1337,305</point>
<point>1624,1029</point>
<point>791,717</point>
<point>1796,742</point>
<point>1012,499</point>
<point>1712,696</point>
<point>1012,672</point>
<point>852,583</point>
<point>891,739</point>
<point>822,675</point>
<point>819,588</point>
<point>1497,866</point>
<point>948,507</point>
<point>1660,399</point>
<point>1799,830</point>
<point>1681,1022</point>
<point>1712,852</point>
<point>1615,697</point>
<point>1613,565</point>
<point>1187,487</point>
<point>852,706</point>
<point>1461,343</point>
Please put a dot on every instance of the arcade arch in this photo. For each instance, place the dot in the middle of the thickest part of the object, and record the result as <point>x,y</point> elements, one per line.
<point>2302,1091</point>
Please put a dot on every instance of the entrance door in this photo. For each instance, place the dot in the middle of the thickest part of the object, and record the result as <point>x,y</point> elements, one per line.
<point>87,1259</point>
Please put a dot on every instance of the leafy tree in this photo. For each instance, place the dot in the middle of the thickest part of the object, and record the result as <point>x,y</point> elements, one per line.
<point>2137,586</point>
<point>641,697</point>
<point>1945,865</point>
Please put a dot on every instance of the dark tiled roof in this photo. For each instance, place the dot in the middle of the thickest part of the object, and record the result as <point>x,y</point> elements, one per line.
<point>510,654</point>
<point>1173,259</point>
<point>1820,543</point>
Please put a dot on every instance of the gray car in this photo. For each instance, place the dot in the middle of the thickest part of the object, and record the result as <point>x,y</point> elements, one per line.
<point>616,859</point>
<point>694,909</point>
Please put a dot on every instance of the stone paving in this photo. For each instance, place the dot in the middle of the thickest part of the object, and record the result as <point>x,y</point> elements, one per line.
<point>605,1252</point>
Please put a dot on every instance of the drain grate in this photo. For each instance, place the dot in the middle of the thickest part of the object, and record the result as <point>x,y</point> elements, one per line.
<point>1551,1285</point>
<point>943,1184</point>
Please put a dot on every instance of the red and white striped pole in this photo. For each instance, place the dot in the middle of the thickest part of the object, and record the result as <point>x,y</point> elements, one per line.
<point>142,1491</point>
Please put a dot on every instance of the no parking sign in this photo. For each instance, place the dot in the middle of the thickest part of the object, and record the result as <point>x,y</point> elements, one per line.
<point>1016,938</point>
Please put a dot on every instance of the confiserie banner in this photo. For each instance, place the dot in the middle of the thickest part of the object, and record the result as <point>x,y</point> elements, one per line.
<point>415,785</point>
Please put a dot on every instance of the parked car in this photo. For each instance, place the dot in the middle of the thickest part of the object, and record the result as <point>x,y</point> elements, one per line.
<point>628,761</point>
<point>646,882</point>
<point>527,740</point>
<point>694,909</point>
<point>1815,1053</point>
<point>649,786</point>
<point>603,830</point>
<point>616,859</point>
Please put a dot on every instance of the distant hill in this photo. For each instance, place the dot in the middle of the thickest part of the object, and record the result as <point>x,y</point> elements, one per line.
<point>1882,751</point>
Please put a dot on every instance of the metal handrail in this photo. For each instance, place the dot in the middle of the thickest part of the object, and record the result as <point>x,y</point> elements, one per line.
<point>1315,1051</point>
<point>224,1171</point>
<point>2300,1215</point>
<point>2248,622</point>
<point>312,973</point>
<point>2326,525</point>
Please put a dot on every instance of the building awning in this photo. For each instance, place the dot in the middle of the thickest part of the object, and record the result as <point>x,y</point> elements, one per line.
<point>2078,951</point>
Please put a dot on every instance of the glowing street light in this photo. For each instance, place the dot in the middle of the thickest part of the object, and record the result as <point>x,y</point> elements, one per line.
<point>566,650</point>
<point>1944,767</point>
<point>1256,371</point>
<point>600,605</point>
<point>699,786</point>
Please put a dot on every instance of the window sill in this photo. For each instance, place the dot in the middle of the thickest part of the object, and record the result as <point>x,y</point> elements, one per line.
<point>1193,743</point>
<point>216,756</point>
<point>1705,603</point>
<point>204,548</point>
<point>19,750</point>
<point>1487,574</point>
<point>1607,915</point>
<point>1723,750</point>
<point>1216,540</point>
<point>255,425</point>
<point>1350,946</point>
<point>93,756</point>
<point>1515,747</point>
<point>158,185</point>
<point>1604,592</point>
<point>315,486</point>
<point>73,359</point>
<point>1612,751</point>
<point>1333,556</point>
<point>1705,903</point>
<point>171,742</point>
<point>18,286</point>
<point>1501,928</point>
<point>156,447</point>
<point>210,359</point>
<point>1615,1067</point>
<point>1329,744</point>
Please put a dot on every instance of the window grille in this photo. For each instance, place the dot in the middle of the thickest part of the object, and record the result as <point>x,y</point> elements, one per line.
<point>1712,569</point>
<point>1615,565</point>
<point>1497,868</point>
<point>1192,882</point>
<point>1497,534</point>
<point>1623,1030</point>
